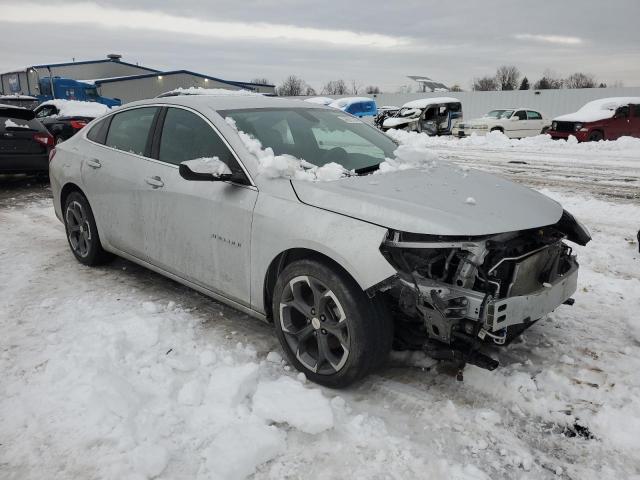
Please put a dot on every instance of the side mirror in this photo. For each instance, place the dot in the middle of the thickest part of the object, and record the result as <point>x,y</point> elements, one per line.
<point>205,170</point>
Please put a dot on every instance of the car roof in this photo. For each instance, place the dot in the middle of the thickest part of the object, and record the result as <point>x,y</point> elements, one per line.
<point>228,102</point>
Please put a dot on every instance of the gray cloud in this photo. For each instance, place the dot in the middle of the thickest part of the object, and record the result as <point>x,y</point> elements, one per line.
<point>451,42</point>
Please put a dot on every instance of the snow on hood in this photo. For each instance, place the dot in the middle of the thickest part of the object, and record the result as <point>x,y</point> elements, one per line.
<point>287,166</point>
<point>598,109</point>
<point>425,102</point>
<point>75,108</point>
<point>440,200</point>
<point>210,91</point>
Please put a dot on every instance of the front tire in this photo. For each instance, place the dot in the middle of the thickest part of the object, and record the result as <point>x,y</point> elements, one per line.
<point>596,136</point>
<point>328,328</point>
<point>82,233</point>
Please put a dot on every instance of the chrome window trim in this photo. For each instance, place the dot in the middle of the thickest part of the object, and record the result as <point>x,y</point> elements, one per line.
<point>170,105</point>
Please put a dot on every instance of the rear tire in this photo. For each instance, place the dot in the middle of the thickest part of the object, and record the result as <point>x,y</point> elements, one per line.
<point>596,136</point>
<point>328,328</point>
<point>82,232</point>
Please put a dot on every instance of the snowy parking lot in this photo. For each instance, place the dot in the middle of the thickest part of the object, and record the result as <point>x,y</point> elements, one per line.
<point>117,372</point>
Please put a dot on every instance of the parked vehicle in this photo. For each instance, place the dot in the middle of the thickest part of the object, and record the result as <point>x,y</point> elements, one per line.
<point>24,142</point>
<point>24,101</point>
<point>433,116</point>
<point>342,268</point>
<point>358,106</point>
<point>52,88</point>
<point>63,118</point>
<point>604,119</point>
<point>513,122</point>
<point>385,112</point>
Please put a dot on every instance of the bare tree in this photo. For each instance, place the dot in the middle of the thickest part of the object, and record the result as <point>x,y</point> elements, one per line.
<point>455,88</point>
<point>485,84</point>
<point>549,81</point>
<point>291,86</point>
<point>335,87</point>
<point>261,81</point>
<point>507,77</point>
<point>355,87</point>
<point>372,89</point>
<point>309,90</point>
<point>580,80</point>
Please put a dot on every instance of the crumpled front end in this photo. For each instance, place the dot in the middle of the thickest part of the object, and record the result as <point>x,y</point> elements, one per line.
<point>464,291</point>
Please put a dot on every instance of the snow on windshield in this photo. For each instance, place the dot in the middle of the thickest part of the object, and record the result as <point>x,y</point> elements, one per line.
<point>75,108</point>
<point>287,166</point>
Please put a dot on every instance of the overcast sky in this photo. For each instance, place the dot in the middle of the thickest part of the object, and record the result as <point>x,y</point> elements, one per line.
<point>369,41</point>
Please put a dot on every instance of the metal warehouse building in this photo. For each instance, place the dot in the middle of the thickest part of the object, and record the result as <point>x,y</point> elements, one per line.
<point>118,79</point>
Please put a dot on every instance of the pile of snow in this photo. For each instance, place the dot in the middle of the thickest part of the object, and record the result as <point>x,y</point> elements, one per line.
<point>211,91</point>
<point>319,100</point>
<point>598,109</point>
<point>498,140</point>
<point>213,165</point>
<point>287,166</point>
<point>75,108</point>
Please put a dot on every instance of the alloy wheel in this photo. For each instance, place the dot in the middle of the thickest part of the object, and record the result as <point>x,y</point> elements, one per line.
<point>78,229</point>
<point>314,325</point>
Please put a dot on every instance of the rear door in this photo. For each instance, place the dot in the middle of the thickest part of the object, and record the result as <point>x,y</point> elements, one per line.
<point>113,174</point>
<point>535,123</point>
<point>620,124</point>
<point>198,230</point>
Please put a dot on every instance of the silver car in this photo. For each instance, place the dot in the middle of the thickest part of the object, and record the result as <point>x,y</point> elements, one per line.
<point>343,269</point>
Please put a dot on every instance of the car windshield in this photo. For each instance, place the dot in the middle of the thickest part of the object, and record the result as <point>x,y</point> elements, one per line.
<point>318,136</point>
<point>499,114</point>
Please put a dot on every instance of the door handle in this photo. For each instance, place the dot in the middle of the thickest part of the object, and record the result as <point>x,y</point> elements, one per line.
<point>155,182</point>
<point>93,163</point>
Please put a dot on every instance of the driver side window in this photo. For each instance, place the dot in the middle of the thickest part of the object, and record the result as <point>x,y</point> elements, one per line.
<point>186,136</point>
<point>520,115</point>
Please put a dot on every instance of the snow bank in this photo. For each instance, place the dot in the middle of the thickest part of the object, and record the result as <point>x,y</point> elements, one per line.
<point>498,140</point>
<point>211,91</point>
<point>598,109</point>
<point>75,108</point>
<point>287,166</point>
<point>305,409</point>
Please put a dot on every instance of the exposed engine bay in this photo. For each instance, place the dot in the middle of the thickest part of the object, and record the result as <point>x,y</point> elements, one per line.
<point>465,291</point>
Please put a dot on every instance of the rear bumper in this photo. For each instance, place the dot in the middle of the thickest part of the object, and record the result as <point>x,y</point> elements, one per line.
<point>37,162</point>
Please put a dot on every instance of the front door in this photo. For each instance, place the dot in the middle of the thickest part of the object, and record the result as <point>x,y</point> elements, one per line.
<point>620,124</point>
<point>198,230</point>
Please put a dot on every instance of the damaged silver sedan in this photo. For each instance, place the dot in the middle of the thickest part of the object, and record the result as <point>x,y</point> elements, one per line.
<point>442,260</point>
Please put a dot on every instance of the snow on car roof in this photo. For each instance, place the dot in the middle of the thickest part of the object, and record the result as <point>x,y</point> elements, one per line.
<point>345,102</point>
<point>320,100</point>
<point>75,108</point>
<point>598,109</point>
<point>208,91</point>
<point>425,102</point>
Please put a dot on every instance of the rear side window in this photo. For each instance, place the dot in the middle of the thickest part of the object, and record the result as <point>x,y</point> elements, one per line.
<point>98,133</point>
<point>534,115</point>
<point>636,109</point>
<point>186,136</point>
<point>129,130</point>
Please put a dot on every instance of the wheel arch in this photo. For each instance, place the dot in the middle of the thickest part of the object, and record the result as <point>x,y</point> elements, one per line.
<point>287,257</point>
<point>66,190</point>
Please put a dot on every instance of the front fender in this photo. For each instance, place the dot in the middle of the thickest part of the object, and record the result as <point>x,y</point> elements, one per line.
<point>280,224</point>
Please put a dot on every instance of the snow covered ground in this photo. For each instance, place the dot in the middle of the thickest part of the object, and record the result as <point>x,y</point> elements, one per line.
<point>116,372</point>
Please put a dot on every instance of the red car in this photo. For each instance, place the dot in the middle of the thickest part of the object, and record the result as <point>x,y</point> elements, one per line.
<point>604,119</point>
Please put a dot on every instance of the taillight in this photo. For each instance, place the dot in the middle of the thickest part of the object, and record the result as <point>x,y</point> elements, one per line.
<point>52,153</point>
<point>77,124</point>
<point>44,138</point>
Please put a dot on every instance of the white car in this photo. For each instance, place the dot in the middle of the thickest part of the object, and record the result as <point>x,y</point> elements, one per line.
<point>513,122</point>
